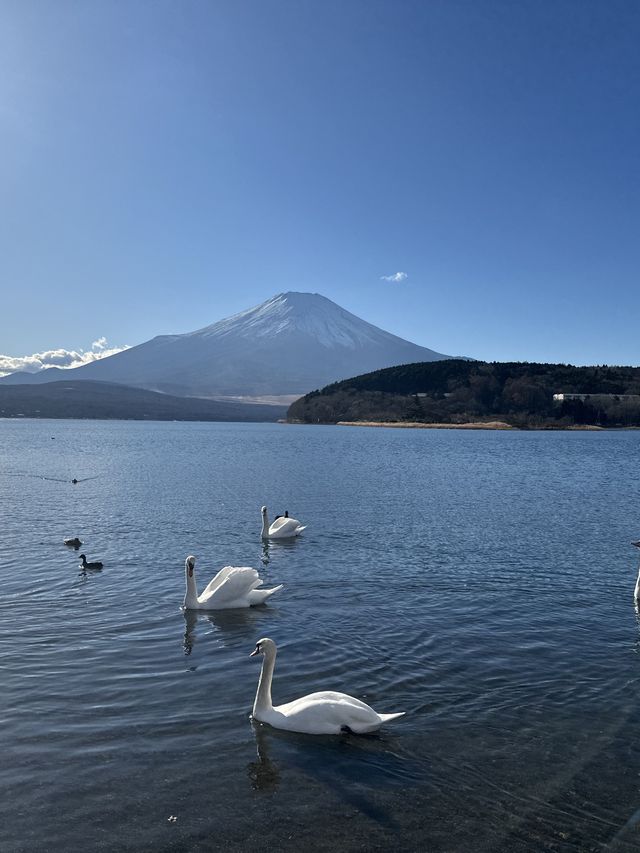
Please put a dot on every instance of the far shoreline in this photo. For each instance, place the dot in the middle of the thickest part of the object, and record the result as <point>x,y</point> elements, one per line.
<point>492,425</point>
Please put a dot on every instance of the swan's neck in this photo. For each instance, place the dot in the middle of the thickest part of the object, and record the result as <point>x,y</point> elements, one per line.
<point>263,695</point>
<point>636,592</point>
<point>265,525</point>
<point>191,594</point>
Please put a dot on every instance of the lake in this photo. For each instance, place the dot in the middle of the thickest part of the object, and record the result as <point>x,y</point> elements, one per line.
<point>480,581</point>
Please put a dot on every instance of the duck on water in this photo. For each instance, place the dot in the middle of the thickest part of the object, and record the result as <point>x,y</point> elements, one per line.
<point>96,565</point>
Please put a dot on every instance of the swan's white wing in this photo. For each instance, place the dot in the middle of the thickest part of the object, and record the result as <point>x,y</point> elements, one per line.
<point>233,589</point>
<point>216,581</point>
<point>324,696</point>
<point>326,713</point>
<point>259,596</point>
<point>284,527</point>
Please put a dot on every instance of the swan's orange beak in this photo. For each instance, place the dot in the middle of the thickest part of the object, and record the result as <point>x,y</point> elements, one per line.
<point>256,651</point>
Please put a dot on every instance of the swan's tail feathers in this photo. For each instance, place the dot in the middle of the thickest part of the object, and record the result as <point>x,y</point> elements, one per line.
<point>258,596</point>
<point>386,718</point>
<point>300,529</point>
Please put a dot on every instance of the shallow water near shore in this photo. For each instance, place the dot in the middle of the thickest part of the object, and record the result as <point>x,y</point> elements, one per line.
<point>480,581</point>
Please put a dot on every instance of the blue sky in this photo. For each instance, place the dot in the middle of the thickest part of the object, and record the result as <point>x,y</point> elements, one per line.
<point>166,164</point>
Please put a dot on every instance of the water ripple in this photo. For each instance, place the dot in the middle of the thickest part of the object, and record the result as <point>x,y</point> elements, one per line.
<point>480,583</point>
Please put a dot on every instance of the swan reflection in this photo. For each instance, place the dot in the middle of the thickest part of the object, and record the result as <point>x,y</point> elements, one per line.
<point>231,623</point>
<point>263,773</point>
<point>271,547</point>
<point>338,763</point>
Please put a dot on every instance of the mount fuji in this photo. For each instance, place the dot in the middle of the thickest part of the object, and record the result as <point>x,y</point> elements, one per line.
<point>289,345</point>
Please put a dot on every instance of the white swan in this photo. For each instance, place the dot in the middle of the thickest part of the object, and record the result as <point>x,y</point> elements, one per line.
<point>233,586</point>
<point>282,528</point>
<point>636,592</point>
<point>324,713</point>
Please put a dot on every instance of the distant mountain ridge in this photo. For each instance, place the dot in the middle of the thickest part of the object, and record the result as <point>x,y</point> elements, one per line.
<point>291,344</point>
<point>106,400</point>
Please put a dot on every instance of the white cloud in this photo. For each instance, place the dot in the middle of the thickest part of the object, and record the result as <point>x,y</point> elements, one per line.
<point>397,276</point>
<point>63,358</point>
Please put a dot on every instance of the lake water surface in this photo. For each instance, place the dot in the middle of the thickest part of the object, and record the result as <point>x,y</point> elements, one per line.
<point>480,581</point>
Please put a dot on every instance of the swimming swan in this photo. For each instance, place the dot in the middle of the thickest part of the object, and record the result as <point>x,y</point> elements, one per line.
<point>233,586</point>
<point>282,528</point>
<point>324,713</point>
<point>85,565</point>
<point>636,592</point>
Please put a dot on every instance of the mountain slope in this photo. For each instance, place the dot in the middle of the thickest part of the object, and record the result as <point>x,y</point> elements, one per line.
<point>290,344</point>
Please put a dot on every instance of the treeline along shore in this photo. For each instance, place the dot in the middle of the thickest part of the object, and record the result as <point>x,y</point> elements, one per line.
<point>454,392</point>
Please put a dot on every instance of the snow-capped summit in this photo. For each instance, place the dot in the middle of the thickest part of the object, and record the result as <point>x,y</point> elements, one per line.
<point>289,345</point>
<point>307,313</point>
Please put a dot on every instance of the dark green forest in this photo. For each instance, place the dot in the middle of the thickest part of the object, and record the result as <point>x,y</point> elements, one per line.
<point>453,391</point>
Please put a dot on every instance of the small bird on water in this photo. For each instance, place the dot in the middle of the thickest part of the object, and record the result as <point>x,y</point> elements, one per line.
<point>85,565</point>
<point>73,543</point>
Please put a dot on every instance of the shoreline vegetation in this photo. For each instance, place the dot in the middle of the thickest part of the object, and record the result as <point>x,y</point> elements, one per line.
<point>459,394</point>
<point>496,425</point>
<point>420,425</point>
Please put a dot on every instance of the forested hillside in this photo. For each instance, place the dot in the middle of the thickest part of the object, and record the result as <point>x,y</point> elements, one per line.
<point>454,391</point>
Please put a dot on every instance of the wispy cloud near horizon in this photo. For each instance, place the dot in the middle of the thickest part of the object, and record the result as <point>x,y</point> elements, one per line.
<point>63,358</point>
<point>397,276</point>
